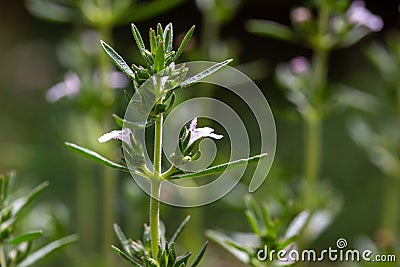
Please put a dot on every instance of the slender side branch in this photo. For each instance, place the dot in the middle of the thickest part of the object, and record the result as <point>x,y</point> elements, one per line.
<point>155,188</point>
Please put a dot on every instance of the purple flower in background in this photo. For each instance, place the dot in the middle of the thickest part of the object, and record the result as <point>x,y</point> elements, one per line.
<point>114,79</point>
<point>299,65</point>
<point>124,135</point>
<point>301,15</point>
<point>67,88</point>
<point>198,133</point>
<point>359,15</point>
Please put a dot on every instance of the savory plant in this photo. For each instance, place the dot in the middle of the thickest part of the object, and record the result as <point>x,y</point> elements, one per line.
<point>162,79</point>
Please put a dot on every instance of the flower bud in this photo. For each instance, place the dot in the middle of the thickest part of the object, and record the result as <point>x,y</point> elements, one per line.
<point>300,15</point>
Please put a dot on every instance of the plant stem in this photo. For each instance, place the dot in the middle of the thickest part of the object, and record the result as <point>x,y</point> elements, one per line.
<point>391,214</point>
<point>313,128</point>
<point>155,188</point>
<point>110,179</point>
<point>390,217</point>
<point>313,143</point>
<point>313,118</point>
<point>3,261</point>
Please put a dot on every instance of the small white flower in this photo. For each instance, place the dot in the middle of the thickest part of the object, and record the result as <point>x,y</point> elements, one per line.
<point>67,88</point>
<point>198,133</point>
<point>124,135</point>
<point>359,15</point>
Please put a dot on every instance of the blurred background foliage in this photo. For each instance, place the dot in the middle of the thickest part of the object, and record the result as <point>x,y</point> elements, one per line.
<point>37,53</point>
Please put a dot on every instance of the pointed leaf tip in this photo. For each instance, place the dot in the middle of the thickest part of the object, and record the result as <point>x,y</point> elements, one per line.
<point>117,60</point>
<point>204,74</point>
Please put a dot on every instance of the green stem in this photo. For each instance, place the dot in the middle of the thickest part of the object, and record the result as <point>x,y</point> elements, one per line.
<point>110,179</point>
<point>313,118</point>
<point>3,261</point>
<point>391,209</point>
<point>155,188</point>
<point>313,143</point>
<point>390,217</point>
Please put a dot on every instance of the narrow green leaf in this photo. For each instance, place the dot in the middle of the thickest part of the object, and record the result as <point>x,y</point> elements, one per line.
<point>182,259</point>
<point>29,236</point>
<point>168,37</point>
<point>220,168</point>
<point>120,234</point>
<point>49,248</point>
<point>124,256</point>
<point>271,29</point>
<point>153,42</point>
<point>95,156</point>
<point>200,255</point>
<point>20,203</point>
<point>253,222</point>
<point>159,59</point>
<point>256,212</point>
<point>180,229</point>
<point>211,70</point>
<point>227,243</point>
<point>6,182</point>
<point>160,32</point>
<point>118,120</point>
<point>138,38</point>
<point>118,60</point>
<point>184,43</point>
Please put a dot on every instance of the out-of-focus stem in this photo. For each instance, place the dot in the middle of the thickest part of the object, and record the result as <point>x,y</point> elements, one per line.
<point>313,118</point>
<point>391,207</point>
<point>155,188</point>
<point>390,217</point>
<point>110,181</point>
<point>313,144</point>
<point>3,261</point>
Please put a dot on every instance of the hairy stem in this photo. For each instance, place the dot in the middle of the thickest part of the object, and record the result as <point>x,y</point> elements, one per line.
<point>155,188</point>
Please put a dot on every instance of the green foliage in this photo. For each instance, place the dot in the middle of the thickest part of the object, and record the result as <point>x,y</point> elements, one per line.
<point>138,253</point>
<point>274,233</point>
<point>159,59</point>
<point>332,27</point>
<point>16,249</point>
<point>219,168</point>
<point>116,13</point>
<point>95,156</point>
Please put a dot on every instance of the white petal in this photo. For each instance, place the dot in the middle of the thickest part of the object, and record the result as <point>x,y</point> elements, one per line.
<point>123,135</point>
<point>116,134</point>
<point>193,125</point>
<point>205,131</point>
<point>216,136</point>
